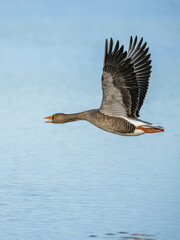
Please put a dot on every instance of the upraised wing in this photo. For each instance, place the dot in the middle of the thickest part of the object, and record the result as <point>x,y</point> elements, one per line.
<point>125,79</point>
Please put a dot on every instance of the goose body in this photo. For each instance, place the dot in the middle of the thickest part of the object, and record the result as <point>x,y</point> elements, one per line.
<point>125,81</point>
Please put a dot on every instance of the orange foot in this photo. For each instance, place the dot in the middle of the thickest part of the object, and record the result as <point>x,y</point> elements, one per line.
<point>150,130</point>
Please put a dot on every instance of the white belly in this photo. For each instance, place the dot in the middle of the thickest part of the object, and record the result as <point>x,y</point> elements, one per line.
<point>135,133</point>
<point>136,123</point>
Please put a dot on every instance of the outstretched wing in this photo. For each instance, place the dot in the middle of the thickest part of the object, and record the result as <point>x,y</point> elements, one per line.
<point>122,78</point>
<point>142,67</point>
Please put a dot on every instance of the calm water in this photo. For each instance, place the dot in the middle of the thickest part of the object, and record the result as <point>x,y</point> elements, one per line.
<point>75,181</point>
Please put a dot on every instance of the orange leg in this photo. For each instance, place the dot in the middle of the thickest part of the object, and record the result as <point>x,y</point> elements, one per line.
<point>150,130</point>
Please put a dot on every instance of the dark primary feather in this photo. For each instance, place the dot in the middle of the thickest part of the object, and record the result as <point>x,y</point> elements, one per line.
<point>142,68</point>
<point>130,72</point>
<point>124,79</point>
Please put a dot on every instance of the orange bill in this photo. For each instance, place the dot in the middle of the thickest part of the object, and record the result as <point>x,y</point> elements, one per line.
<point>50,117</point>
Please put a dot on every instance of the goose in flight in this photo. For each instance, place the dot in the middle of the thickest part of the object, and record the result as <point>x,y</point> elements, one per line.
<point>125,81</point>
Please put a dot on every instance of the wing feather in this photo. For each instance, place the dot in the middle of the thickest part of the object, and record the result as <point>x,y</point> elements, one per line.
<point>118,82</point>
<point>142,68</point>
<point>125,78</point>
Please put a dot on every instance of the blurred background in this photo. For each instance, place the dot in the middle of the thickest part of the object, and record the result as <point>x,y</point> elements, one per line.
<point>75,181</point>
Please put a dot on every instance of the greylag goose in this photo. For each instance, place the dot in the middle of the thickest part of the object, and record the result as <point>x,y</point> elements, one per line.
<point>125,81</point>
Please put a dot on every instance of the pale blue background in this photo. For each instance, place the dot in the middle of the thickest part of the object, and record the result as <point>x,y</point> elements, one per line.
<point>71,181</point>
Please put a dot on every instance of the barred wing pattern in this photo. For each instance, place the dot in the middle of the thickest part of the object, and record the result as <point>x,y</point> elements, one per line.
<point>125,79</point>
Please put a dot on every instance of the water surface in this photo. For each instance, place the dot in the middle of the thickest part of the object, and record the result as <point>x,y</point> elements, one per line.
<point>75,181</point>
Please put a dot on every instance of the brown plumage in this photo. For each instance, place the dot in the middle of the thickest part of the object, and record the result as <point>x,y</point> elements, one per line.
<point>125,82</point>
